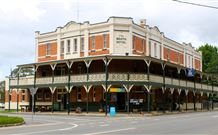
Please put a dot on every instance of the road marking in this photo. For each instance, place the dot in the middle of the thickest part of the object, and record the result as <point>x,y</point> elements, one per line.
<point>156,119</point>
<point>105,125</point>
<point>111,131</point>
<point>27,126</point>
<point>62,129</point>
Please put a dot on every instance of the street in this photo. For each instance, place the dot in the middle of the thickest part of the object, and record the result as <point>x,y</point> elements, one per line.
<point>186,123</point>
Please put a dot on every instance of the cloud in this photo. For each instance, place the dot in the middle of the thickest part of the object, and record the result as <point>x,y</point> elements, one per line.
<point>28,8</point>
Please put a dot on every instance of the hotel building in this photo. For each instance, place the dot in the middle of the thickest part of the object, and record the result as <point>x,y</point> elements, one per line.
<point>133,67</point>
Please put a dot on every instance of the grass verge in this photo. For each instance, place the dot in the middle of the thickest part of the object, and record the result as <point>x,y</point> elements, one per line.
<point>10,121</point>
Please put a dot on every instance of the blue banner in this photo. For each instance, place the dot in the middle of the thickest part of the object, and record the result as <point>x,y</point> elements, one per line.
<point>190,72</point>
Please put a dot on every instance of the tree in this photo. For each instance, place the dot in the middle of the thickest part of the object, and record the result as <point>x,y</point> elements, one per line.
<point>209,58</point>
<point>2,90</point>
<point>23,72</point>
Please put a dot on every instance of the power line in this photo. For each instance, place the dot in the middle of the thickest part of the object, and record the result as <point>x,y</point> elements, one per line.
<point>196,4</point>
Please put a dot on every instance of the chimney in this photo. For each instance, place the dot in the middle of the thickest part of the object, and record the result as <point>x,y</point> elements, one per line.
<point>142,22</point>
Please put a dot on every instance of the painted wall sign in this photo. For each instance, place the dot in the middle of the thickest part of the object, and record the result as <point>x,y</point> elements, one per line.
<point>121,39</point>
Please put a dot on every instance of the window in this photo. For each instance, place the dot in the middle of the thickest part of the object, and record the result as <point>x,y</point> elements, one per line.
<point>160,52</point>
<point>23,98</point>
<point>82,44</point>
<point>79,95</point>
<point>143,47</point>
<point>62,47</point>
<point>47,95</point>
<point>178,57</point>
<point>149,48</point>
<point>104,41</point>
<point>48,49</point>
<point>155,50</point>
<point>68,46</point>
<point>39,95</point>
<point>93,42</point>
<point>59,97</point>
<point>75,45</point>
<point>189,63</point>
<point>134,39</point>
<point>168,54</point>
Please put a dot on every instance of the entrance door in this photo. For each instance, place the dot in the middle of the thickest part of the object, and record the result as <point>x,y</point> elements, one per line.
<point>64,101</point>
<point>121,100</point>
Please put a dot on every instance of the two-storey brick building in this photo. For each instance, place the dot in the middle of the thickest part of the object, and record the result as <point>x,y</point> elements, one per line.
<point>133,67</point>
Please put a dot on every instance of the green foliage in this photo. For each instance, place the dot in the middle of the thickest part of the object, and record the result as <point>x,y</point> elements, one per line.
<point>209,58</point>
<point>23,72</point>
<point>5,120</point>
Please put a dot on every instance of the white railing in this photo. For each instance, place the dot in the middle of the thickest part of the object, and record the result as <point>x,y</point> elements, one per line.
<point>204,86</point>
<point>61,79</point>
<point>209,87</point>
<point>138,77</point>
<point>198,85</point>
<point>215,88</point>
<point>117,77</point>
<point>44,80</point>
<point>175,82</point>
<point>111,77</point>
<point>97,77</point>
<point>26,80</point>
<point>168,80</point>
<point>190,84</point>
<point>13,82</point>
<point>78,78</point>
<point>155,78</point>
<point>183,83</point>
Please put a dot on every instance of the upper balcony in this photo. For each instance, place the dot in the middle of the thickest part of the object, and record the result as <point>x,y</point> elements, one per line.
<point>130,78</point>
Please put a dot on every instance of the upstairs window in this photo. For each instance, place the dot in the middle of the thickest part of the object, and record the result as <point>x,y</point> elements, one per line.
<point>48,49</point>
<point>149,48</point>
<point>93,42</point>
<point>134,40</point>
<point>68,46</point>
<point>143,46</point>
<point>178,57</point>
<point>104,41</point>
<point>155,50</point>
<point>62,47</point>
<point>75,45</point>
<point>23,98</point>
<point>168,54</point>
<point>82,44</point>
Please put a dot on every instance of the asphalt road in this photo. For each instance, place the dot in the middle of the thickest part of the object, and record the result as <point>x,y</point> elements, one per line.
<point>187,123</point>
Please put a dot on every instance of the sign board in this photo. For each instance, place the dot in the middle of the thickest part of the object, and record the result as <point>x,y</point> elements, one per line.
<point>190,72</point>
<point>121,39</point>
<point>117,90</point>
<point>121,42</point>
<point>112,111</point>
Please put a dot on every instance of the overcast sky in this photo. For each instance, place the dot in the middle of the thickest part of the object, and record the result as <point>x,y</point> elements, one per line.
<point>19,19</point>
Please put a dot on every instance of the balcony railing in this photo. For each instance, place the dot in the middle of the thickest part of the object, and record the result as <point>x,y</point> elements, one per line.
<point>61,79</point>
<point>155,78</point>
<point>117,77</point>
<point>78,78</point>
<point>138,77</point>
<point>96,77</point>
<point>44,80</point>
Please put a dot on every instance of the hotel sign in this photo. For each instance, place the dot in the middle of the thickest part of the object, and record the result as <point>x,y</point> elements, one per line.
<point>121,39</point>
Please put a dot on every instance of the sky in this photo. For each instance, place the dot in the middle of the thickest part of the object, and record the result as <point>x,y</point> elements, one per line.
<point>19,19</point>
